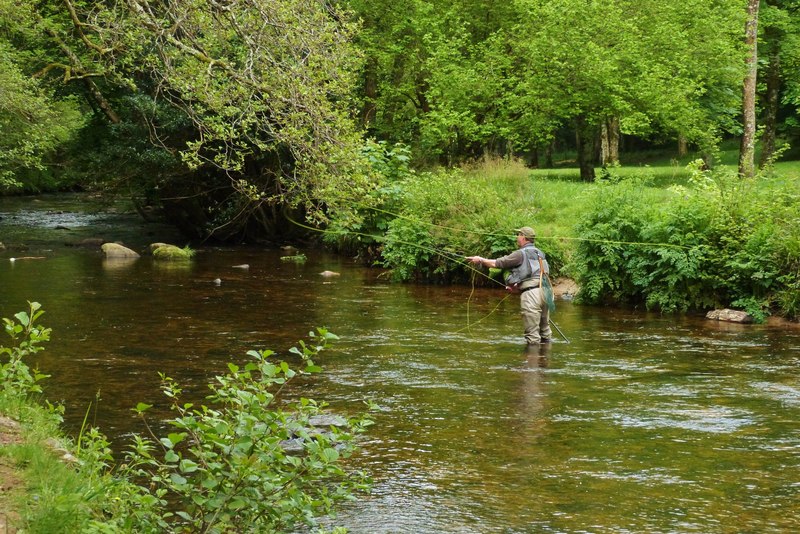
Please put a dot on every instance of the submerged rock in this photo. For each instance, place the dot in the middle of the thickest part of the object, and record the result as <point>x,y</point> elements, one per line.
<point>731,316</point>
<point>115,250</point>
<point>299,258</point>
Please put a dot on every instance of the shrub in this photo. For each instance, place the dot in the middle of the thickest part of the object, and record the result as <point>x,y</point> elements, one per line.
<point>444,216</point>
<point>241,463</point>
<point>18,379</point>
<point>721,241</point>
<point>228,465</point>
<point>360,229</point>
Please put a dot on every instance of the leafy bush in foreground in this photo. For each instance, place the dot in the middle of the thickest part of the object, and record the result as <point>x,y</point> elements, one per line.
<point>239,464</point>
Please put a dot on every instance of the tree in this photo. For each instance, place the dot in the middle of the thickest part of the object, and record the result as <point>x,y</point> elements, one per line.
<point>747,149</point>
<point>460,79</point>
<point>648,64</point>
<point>245,103</point>
<point>34,120</point>
<point>265,85</point>
<point>779,44</point>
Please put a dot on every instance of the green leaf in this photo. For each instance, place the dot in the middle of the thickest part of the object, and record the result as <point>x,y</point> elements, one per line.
<point>330,454</point>
<point>23,318</point>
<point>187,466</point>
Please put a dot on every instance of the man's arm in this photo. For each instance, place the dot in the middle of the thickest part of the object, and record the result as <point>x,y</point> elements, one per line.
<point>477,260</point>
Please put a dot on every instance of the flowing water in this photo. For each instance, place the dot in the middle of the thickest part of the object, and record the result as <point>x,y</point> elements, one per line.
<point>641,423</point>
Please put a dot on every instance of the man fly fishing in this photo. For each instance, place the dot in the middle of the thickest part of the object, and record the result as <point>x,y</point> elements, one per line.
<point>529,277</point>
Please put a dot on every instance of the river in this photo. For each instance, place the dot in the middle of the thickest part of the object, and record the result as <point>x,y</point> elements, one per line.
<point>640,423</point>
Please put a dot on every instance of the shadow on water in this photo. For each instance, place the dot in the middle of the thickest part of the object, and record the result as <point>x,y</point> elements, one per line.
<point>642,423</point>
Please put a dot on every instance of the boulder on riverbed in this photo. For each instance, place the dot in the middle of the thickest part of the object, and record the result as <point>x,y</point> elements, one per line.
<point>115,250</point>
<point>730,316</point>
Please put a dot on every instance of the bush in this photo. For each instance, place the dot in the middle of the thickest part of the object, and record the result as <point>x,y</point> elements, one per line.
<point>445,216</point>
<point>228,465</point>
<point>241,463</point>
<point>721,241</point>
<point>360,229</point>
<point>18,379</point>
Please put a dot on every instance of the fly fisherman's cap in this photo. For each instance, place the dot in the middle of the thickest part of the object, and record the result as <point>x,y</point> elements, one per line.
<point>527,232</point>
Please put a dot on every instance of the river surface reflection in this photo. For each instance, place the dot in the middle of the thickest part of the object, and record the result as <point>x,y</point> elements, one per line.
<point>641,423</point>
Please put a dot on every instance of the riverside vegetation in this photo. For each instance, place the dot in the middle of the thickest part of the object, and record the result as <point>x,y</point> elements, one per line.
<point>222,467</point>
<point>669,237</point>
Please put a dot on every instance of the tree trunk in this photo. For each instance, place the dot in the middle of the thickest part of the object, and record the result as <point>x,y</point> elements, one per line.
<point>94,91</point>
<point>747,148</point>
<point>773,94</point>
<point>533,160</point>
<point>584,137</point>
<point>683,146</point>
<point>609,141</point>
<point>370,93</point>
<point>548,155</point>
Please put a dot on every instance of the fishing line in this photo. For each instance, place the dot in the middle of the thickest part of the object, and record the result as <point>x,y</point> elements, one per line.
<point>470,324</point>
<point>452,256</point>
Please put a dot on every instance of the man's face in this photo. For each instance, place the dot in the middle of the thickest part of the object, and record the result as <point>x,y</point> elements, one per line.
<point>521,240</point>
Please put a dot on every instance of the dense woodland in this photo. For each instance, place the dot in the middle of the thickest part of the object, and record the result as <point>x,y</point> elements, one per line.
<point>230,112</point>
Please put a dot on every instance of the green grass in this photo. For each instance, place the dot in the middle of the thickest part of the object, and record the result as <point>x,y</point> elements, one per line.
<point>789,170</point>
<point>50,495</point>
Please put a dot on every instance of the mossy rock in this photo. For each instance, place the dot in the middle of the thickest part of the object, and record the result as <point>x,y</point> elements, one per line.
<point>172,253</point>
<point>299,258</point>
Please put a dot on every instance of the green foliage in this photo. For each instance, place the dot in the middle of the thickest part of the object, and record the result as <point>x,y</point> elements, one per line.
<point>33,124</point>
<point>721,241</point>
<point>226,466</point>
<point>359,228</point>
<point>19,381</point>
<point>245,462</point>
<point>445,216</point>
<point>458,80</point>
<point>428,239</point>
<point>439,217</point>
